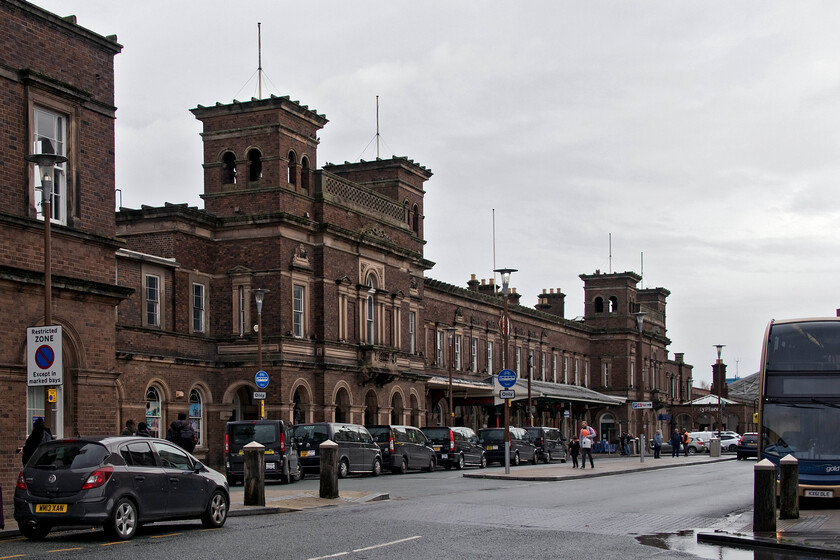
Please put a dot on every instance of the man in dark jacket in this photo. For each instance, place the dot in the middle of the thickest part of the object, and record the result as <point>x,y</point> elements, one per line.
<point>181,433</point>
<point>40,433</point>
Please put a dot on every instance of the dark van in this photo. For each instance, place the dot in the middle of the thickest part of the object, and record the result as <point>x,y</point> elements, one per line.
<point>493,440</point>
<point>549,442</point>
<point>281,461</point>
<point>357,452</point>
<point>456,446</point>
<point>403,448</point>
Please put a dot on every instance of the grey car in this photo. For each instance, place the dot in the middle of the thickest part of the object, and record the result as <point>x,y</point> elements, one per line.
<point>118,483</point>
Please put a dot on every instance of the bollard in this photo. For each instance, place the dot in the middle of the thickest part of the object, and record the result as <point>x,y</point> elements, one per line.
<point>254,480</point>
<point>789,488</point>
<point>329,469</point>
<point>642,448</point>
<point>764,497</point>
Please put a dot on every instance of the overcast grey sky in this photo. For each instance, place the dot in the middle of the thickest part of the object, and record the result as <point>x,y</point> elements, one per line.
<point>702,134</point>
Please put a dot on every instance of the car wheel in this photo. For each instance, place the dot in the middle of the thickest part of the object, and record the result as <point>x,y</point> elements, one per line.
<point>403,468</point>
<point>733,447</point>
<point>483,463</point>
<point>343,468</point>
<point>431,464</point>
<point>216,513</point>
<point>377,467</point>
<point>691,451</point>
<point>547,457</point>
<point>297,474</point>
<point>34,530</point>
<point>515,460</point>
<point>123,522</point>
<point>460,464</point>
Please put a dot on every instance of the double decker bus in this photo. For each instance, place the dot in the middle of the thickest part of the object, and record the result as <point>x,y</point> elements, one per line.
<point>799,406</point>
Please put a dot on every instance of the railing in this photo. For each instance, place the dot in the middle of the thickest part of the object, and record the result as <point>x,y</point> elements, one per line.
<point>351,193</point>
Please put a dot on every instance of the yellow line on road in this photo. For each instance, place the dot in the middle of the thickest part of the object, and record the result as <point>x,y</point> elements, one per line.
<point>112,543</point>
<point>65,549</point>
<point>15,556</point>
<point>165,536</point>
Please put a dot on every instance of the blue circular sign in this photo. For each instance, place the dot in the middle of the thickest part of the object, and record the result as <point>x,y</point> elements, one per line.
<point>507,378</point>
<point>261,379</point>
<point>44,357</point>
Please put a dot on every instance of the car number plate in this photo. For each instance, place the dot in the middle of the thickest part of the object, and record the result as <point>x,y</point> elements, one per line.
<point>492,447</point>
<point>51,508</point>
<point>437,447</point>
<point>309,453</point>
<point>270,466</point>
<point>444,456</point>
<point>819,493</point>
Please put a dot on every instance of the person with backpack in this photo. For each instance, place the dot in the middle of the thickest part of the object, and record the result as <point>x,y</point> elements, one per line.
<point>181,433</point>
<point>587,437</point>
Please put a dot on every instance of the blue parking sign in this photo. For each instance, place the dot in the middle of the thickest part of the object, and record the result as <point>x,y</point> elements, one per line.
<point>507,378</point>
<point>261,379</point>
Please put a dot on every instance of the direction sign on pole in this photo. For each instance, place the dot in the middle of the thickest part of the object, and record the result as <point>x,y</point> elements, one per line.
<point>642,404</point>
<point>507,378</point>
<point>44,364</point>
<point>507,394</point>
<point>261,379</point>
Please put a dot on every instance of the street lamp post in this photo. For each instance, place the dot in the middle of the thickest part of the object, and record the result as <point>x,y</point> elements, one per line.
<point>451,334</point>
<point>46,162</point>
<point>640,323</point>
<point>719,381</point>
<point>506,272</point>
<point>530,373</point>
<point>259,294</point>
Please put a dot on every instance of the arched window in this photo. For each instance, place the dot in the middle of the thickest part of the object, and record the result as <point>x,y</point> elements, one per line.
<point>196,416</point>
<point>613,304</point>
<point>599,305</point>
<point>304,174</point>
<point>292,175</point>
<point>228,168</point>
<point>254,165</point>
<point>342,406</point>
<point>370,304</point>
<point>371,408</point>
<point>397,409</point>
<point>153,411</point>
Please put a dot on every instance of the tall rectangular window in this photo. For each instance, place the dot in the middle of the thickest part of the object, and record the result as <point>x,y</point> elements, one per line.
<point>554,367</point>
<point>198,308</point>
<point>297,310</point>
<point>369,319</point>
<point>606,374</point>
<point>412,330</point>
<point>577,371</point>
<point>586,374</point>
<point>530,364</point>
<point>542,366</point>
<point>241,319</point>
<point>440,363</point>
<point>152,300</point>
<point>632,374</point>
<point>51,127</point>
<point>457,363</point>
<point>490,357</point>
<point>474,356</point>
<point>565,369</point>
<point>518,360</point>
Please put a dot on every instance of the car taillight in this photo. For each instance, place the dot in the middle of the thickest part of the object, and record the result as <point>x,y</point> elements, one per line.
<point>97,478</point>
<point>21,483</point>
<point>282,443</point>
<point>451,440</point>
<point>391,444</point>
<point>227,443</point>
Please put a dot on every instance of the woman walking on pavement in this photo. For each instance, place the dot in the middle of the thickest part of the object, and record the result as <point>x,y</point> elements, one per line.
<point>657,444</point>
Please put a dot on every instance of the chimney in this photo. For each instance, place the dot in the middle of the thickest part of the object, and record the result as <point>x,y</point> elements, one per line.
<point>472,285</point>
<point>552,302</point>
<point>485,288</point>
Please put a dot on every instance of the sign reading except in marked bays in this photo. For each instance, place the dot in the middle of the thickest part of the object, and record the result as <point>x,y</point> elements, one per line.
<point>44,365</point>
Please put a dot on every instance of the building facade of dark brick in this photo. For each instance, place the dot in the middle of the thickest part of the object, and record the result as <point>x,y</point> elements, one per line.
<point>158,306</point>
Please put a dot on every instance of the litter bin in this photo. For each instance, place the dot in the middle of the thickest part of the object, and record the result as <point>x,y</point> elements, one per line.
<point>714,447</point>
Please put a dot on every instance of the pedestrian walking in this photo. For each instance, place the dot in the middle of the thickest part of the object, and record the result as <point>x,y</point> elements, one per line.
<point>625,443</point>
<point>586,449</point>
<point>657,444</point>
<point>40,434</point>
<point>685,442</point>
<point>129,429</point>
<point>181,433</point>
<point>574,451</point>
<point>143,430</point>
<point>675,443</point>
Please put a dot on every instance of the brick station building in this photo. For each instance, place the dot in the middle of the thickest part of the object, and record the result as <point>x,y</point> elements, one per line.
<point>157,303</point>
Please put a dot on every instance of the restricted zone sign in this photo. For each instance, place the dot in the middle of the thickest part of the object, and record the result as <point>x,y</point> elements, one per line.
<point>44,364</point>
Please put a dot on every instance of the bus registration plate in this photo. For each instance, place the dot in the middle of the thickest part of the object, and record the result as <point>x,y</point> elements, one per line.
<point>819,493</point>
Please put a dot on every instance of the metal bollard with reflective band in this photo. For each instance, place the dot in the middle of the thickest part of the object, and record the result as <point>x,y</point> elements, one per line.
<point>329,469</point>
<point>254,474</point>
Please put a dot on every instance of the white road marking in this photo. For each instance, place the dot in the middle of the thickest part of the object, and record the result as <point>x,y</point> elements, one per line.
<point>337,554</point>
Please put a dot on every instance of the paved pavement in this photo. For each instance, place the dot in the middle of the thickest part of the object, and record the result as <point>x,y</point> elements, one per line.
<point>815,532</point>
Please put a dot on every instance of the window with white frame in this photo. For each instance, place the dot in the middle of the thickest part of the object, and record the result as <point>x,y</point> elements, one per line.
<point>542,366</point>
<point>518,360</point>
<point>412,332</point>
<point>370,311</point>
<point>586,373</point>
<point>490,357</point>
<point>606,380</point>
<point>298,310</point>
<point>440,349</point>
<point>457,363</point>
<point>196,416</point>
<point>50,132</point>
<point>153,292</point>
<point>577,371</point>
<point>554,367</point>
<point>632,374</point>
<point>240,298</point>
<point>198,308</point>
<point>153,411</point>
<point>474,355</point>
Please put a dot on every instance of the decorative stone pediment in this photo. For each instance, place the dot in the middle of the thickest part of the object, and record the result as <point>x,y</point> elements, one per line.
<point>300,258</point>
